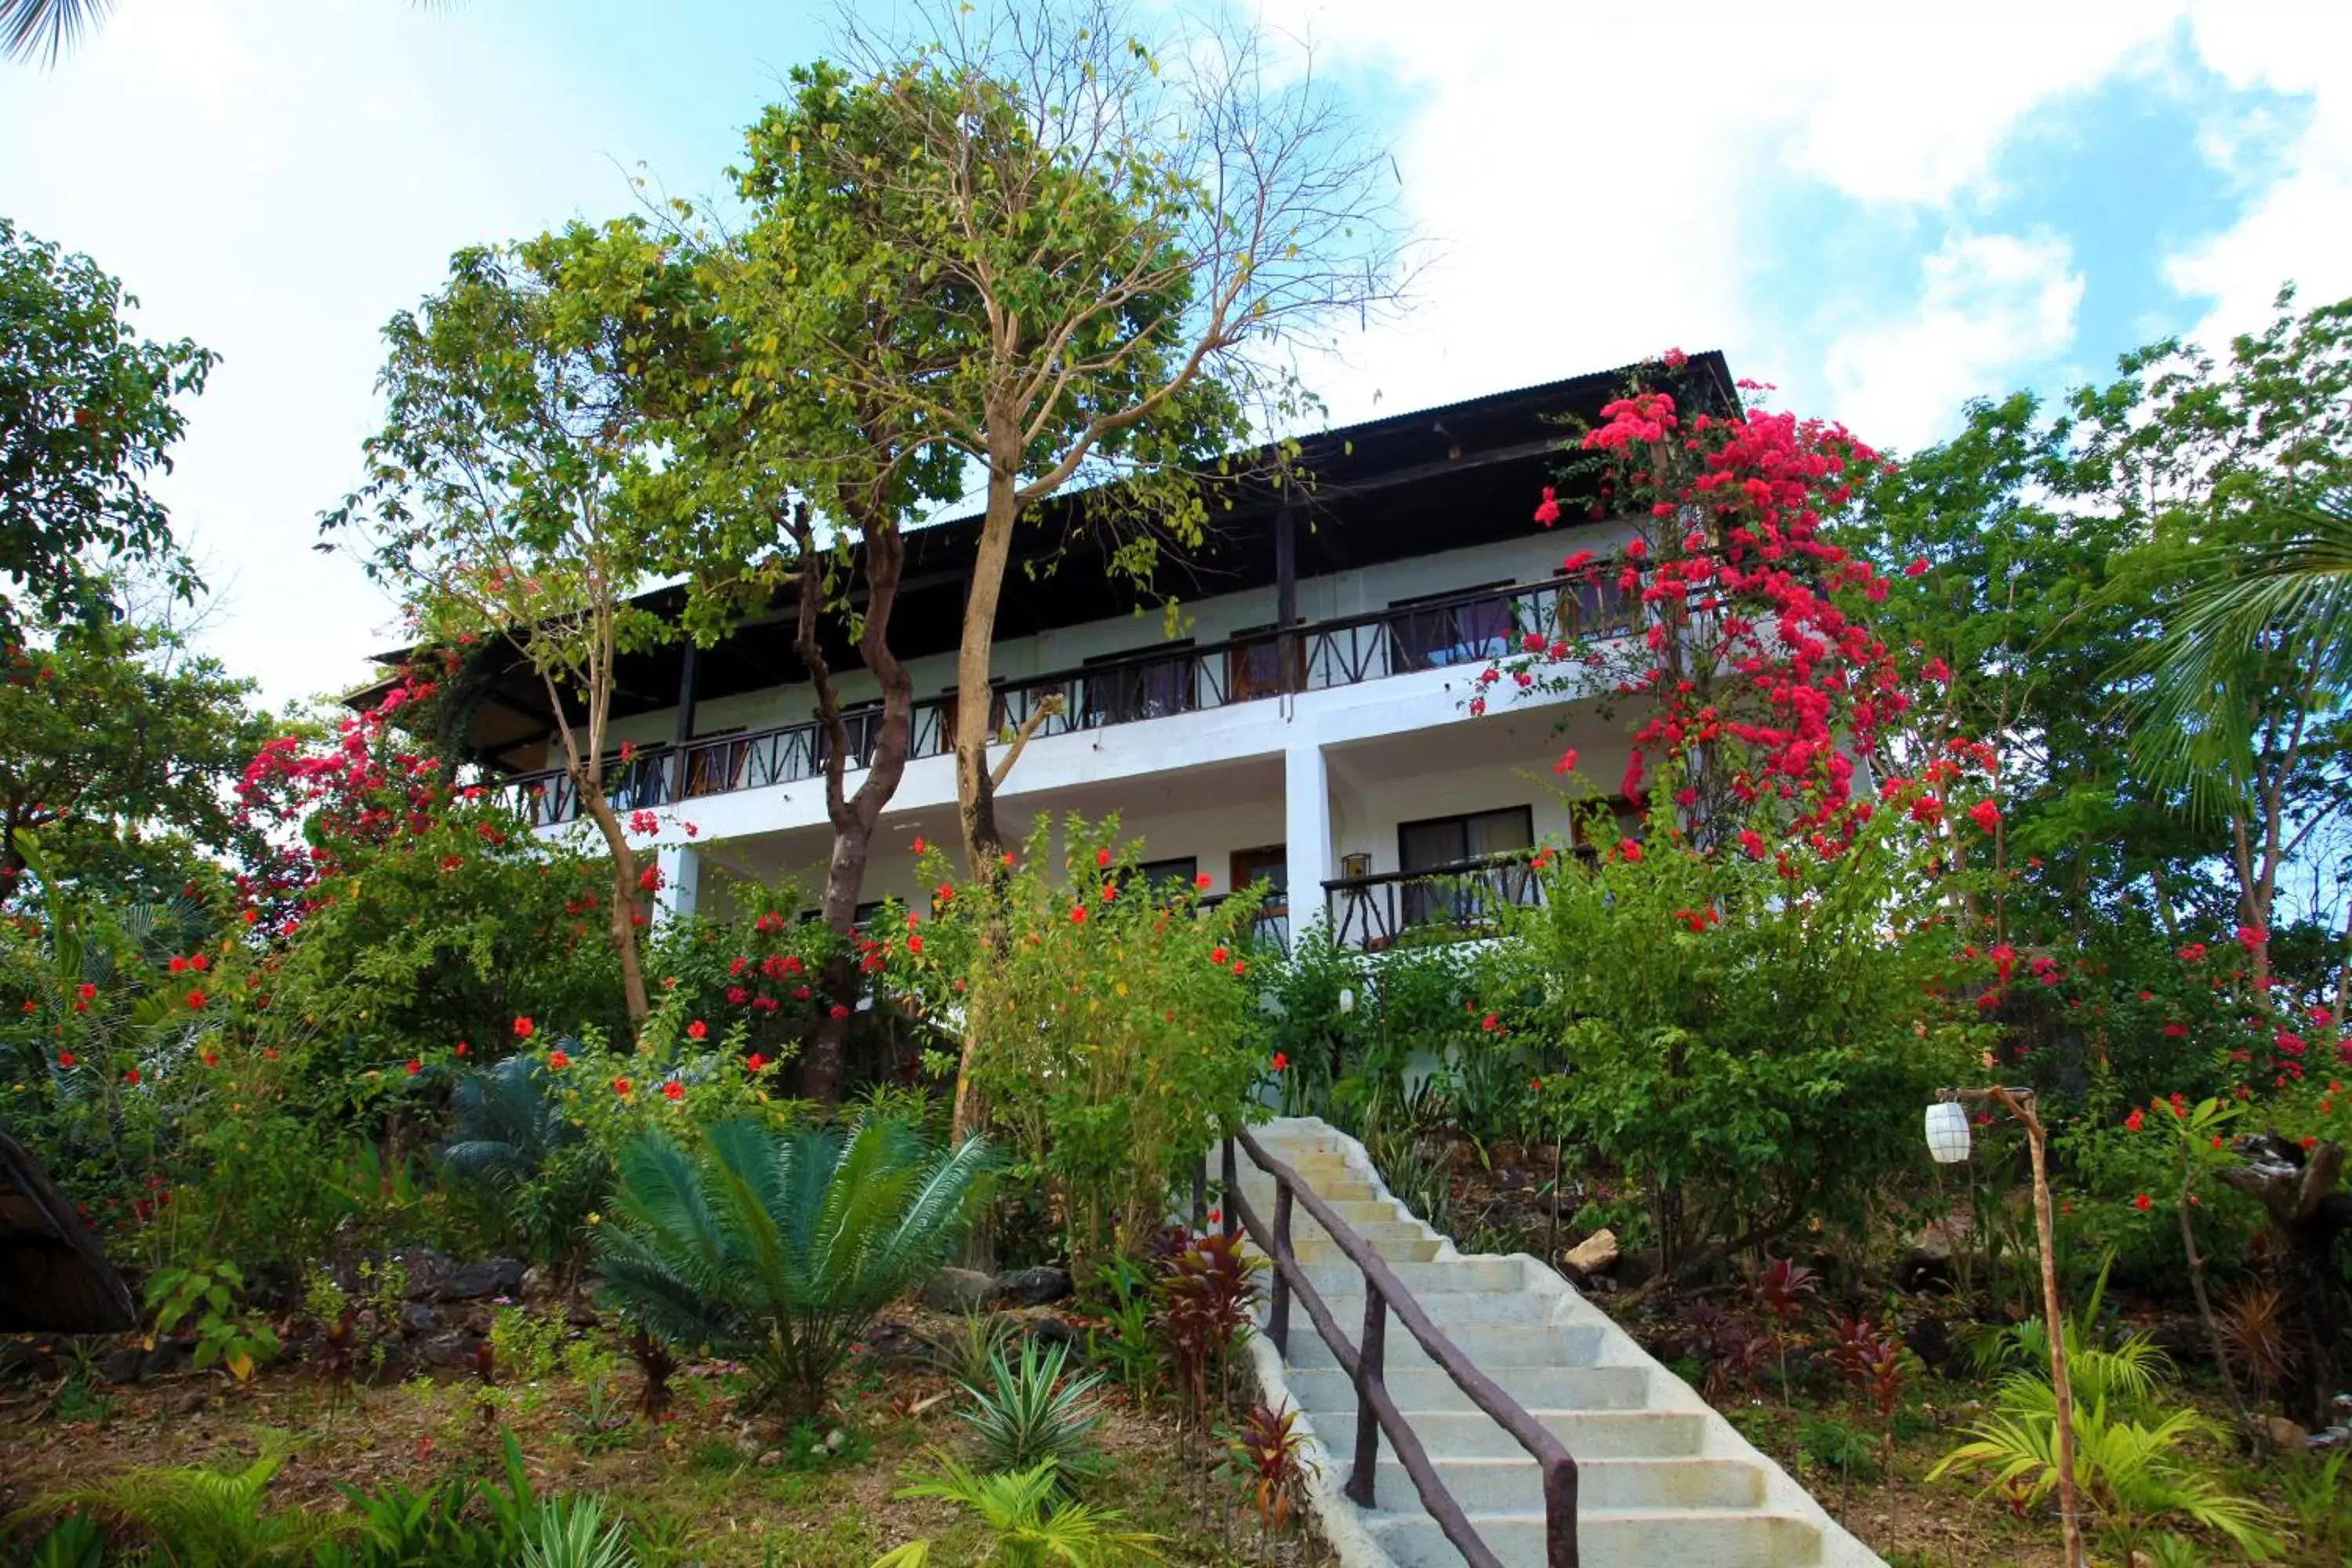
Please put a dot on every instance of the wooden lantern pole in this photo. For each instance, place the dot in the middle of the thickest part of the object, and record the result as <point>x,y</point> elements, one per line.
<point>2019,1103</point>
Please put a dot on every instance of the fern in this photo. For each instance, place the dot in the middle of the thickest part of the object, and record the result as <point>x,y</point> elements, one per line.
<point>202,1519</point>
<point>1030,1522</point>
<point>777,1249</point>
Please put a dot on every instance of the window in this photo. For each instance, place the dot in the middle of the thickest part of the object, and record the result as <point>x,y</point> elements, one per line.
<point>1590,606</point>
<point>1255,670</point>
<point>1450,631</point>
<point>1177,871</point>
<point>1120,688</point>
<point>859,918</point>
<point>1457,892</point>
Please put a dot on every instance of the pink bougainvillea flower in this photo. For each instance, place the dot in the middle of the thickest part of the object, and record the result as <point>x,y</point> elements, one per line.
<point>1986,815</point>
<point>1917,568</point>
<point>840,1010</point>
<point>1548,508</point>
<point>1567,764</point>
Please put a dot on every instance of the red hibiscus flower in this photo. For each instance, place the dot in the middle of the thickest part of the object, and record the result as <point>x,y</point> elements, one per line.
<point>524,1028</point>
<point>621,1086</point>
<point>672,1091</point>
<point>696,1030</point>
<point>2142,1202</point>
<point>558,1060</point>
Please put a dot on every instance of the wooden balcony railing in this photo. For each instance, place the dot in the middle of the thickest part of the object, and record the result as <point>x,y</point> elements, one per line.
<point>1365,1361</point>
<point>1462,899</point>
<point>1467,629</point>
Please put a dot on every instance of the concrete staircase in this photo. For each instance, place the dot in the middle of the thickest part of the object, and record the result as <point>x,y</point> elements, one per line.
<point>1664,1481</point>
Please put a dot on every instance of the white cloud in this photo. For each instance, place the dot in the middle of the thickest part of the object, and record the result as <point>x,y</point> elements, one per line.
<point>1987,304</point>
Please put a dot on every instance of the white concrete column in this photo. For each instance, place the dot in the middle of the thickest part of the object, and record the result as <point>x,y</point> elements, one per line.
<point>1307,831</point>
<point>681,888</point>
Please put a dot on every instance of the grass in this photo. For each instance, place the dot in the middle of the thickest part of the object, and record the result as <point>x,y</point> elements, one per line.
<point>694,1485</point>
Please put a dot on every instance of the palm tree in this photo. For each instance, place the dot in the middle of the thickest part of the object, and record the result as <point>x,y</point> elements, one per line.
<point>45,30</point>
<point>776,1248</point>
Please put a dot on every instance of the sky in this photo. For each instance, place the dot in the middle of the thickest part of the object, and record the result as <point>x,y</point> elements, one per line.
<point>1883,210</point>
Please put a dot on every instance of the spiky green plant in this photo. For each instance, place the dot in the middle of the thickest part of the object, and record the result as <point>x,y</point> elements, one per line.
<point>1032,1523</point>
<point>977,1343</point>
<point>74,1542</point>
<point>200,1518</point>
<point>573,1534</point>
<point>776,1248</point>
<point>1026,1411</point>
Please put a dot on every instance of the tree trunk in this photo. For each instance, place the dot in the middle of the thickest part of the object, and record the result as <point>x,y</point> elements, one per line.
<point>624,925</point>
<point>2298,1190</point>
<point>975,793</point>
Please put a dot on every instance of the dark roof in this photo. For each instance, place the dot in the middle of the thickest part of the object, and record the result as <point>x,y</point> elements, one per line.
<point>1381,489</point>
<point>54,1276</point>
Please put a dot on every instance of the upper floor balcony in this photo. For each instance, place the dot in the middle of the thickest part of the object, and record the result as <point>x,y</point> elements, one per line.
<point>1443,631</point>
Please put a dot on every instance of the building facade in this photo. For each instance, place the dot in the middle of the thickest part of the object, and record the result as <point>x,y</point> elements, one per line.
<point>1300,709</point>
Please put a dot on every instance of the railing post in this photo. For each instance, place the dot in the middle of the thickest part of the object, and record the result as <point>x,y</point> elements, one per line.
<point>1278,1322</point>
<point>1233,1220</point>
<point>1368,1377</point>
<point>1559,1516</point>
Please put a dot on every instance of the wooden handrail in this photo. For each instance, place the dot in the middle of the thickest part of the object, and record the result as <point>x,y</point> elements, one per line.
<point>1376,1411</point>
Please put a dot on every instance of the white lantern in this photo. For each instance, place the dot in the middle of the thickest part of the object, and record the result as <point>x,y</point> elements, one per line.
<point>1947,1133</point>
<point>1346,1000</point>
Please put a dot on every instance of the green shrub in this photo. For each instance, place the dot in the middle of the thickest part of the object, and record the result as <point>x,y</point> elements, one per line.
<point>776,1248</point>
<point>202,1519</point>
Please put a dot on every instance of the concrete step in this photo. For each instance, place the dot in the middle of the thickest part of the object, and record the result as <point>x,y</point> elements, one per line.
<point>1589,1433</point>
<point>1407,1247</point>
<point>1516,1485</point>
<point>1446,1309</point>
<point>1614,1538</point>
<point>1493,1348</point>
<point>1326,1391</point>
<point>1496,1274</point>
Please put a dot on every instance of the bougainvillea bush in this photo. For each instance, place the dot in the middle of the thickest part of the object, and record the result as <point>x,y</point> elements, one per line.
<point>1114,1033</point>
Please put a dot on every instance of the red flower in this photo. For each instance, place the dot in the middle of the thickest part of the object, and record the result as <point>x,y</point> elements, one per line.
<point>1241,967</point>
<point>212,1060</point>
<point>195,1001</point>
<point>650,879</point>
<point>737,995</point>
<point>200,963</point>
<point>1203,882</point>
<point>414,1067</point>
<point>1629,849</point>
<point>1985,815</point>
<point>524,1028</point>
<point>621,1086</point>
<point>1005,858</point>
<point>673,1090</point>
<point>1217,954</point>
<point>914,944</point>
<point>696,1030</point>
<point>1548,508</point>
<point>1102,857</point>
<point>1216,1217</point>
<point>1567,764</point>
<point>840,1010</point>
<point>1078,914</point>
<point>2134,1121</point>
<point>1111,892</point>
<point>1917,569</point>
<point>1491,1023</point>
<point>86,991</point>
<point>1281,1062</point>
<point>2176,1031</point>
<point>2142,1202</point>
<point>66,1058</point>
<point>754,1062</point>
<point>558,1060</point>
<point>799,992</point>
<point>131,1077</point>
<point>918,844</point>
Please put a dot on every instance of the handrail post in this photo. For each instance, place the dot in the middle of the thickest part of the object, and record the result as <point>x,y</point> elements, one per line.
<point>1368,1377</point>
<point>1233,1220</point>
<point>1559,1515</point>
<point>1278,1321</point>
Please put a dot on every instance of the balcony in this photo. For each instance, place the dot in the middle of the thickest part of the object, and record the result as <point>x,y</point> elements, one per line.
<point>1455,902</point>
<point>1468,628</point>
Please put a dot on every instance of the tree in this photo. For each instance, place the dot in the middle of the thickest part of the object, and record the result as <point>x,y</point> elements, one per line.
<point>506,497</point>
<point>2215,466</point>
<point>88,414</point>
<point>116,744</point>
<point>1121,246</point>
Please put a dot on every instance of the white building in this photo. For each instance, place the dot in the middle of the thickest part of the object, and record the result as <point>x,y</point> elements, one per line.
<point>1307,717</point>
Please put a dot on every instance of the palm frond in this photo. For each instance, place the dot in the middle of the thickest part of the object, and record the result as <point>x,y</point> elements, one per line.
<point>44,30</point>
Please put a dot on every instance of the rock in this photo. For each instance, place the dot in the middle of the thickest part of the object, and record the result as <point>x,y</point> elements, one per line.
<point>2285,1433</point>
<point>958,1290</point>
<point>454,1349</point>
<point>1596,1254</point>
<point>2183,1338</point>
<point>1034,1287</point>
<point>428,1270</point>
<point>418,1318</point>
<point>771,1458</point>
<point>1048,1332</point>
<point>121,1364</point>
<point>1930,1339</point>
<point>23,1359</point>
<point>473,1282</point>
<point>537,1282</point>
<point>1636,1269</point>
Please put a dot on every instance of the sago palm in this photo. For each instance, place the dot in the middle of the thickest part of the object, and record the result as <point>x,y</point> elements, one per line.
<point>776,1248</point>
<point>1029,1520</point>
<point>202,1519</point>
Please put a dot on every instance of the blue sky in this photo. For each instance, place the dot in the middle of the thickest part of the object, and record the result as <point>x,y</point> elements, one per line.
<point>1882,209</point>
